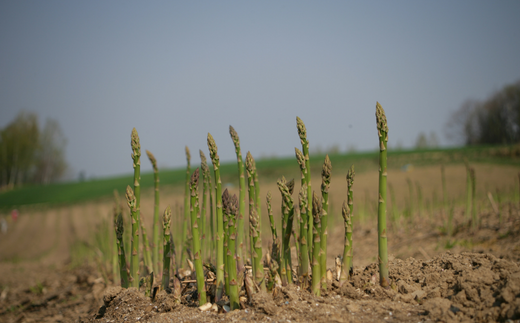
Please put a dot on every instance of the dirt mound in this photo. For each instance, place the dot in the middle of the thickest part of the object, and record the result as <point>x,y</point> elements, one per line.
<point>450,288</point>
<point>35,293</point>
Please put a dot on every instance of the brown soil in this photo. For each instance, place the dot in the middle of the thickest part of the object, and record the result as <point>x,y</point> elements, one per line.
<point>472,275</point>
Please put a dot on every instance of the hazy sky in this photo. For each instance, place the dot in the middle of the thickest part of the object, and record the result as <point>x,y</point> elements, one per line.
<point>178,70</point>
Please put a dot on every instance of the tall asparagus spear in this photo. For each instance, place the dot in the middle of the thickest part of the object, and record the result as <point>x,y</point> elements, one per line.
<point>302,132</point>
<point>288,214</point>
<point>316,212</point>
<point>167,247</point>
<point>203,213</point>
<point>220,223</point>
<point>241,199</point>
<point>251,196</point>
<point>195,215</point>
<point>186,208</point>
<point>230,209</point>
<point>136,158</point>
<point>254,223</point>
<point>156,221</point>
<point>304,268</point>
<point>382,129</point>
<point>350,201</point>
<point>347,250</point>
<point>134,261</point>
<point>325,185</point>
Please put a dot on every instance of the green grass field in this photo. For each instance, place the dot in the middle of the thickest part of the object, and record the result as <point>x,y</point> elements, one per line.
<point>269,170</point>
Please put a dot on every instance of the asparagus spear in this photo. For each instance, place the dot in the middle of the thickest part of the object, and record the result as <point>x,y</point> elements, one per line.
<point>316,212</point>
<point>147,257</point>
<point>275,253</point>
<point>115,245</point>
<point>288,214</point>
<point>230,209</point>
<point>195,215</point>
<point>347,250</point>
<point>304,255</point>
<point>254,224</point>
<point>220,223</point>
<point>155,234</point>
<point>205,175</point>
<point>123,267</point>
<point>167,252</point>
<point>134,260</point>
<point>241,199</point>
<point>382,129</point>
<point>468,190</point>
<point>186,208</point>
<point>350,201</point>
<point>136,158</point>
<point>325,185</point>
<point>302,132</point>
<point>473,197</point>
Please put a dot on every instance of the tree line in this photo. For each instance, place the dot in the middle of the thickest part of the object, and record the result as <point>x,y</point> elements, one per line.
<point>495,120</point>
<point>29,153</point>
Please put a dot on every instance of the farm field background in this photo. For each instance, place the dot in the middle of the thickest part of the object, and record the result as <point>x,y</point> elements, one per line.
<point>59,233</point>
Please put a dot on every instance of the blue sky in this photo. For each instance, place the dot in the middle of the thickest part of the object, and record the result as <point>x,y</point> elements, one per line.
<point>178,70</point>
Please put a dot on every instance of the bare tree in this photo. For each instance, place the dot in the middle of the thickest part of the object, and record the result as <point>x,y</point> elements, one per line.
<point>493,121</point>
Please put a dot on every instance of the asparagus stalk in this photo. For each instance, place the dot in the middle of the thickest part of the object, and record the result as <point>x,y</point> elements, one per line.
<point>444,191</point>
<point>230,209</point>
<point>275,252</point>
<point>473,198</point>
<point>382,129</point>
<point>469,191</point>
<point>123,267</point>
<point>220,223</point>
<point>350,201</point>
<point>304,255</point>
<point>325,185</point>
<point>115,245</point>
<point>134,260</point>
<point>288,215</point>
<point>136,158</point>
<point>254,223</point>
<point>410,204</point>
<point>225,218</point>
<point>155,233</point>
<point>146,250</point>
<point>186,208</point>
<point>167,252</point>
<point>241,199</point>
<point>316,212</point>
<point>419,199</point>
<point>302,132</point>
<point>205,175</point>
<point>251,195</point>
<point>347,250</point>
<point>195,215</point>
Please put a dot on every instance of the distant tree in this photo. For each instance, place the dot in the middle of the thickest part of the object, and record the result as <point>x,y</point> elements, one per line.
<point>18,144</point>
<point>421,142</point>
<point>433,142</point>
<point>28,155</point>
<point>493,121</point>
<point>50,158</point>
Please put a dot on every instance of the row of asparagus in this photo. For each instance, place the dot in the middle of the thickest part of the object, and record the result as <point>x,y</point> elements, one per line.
<point>304,219</point>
